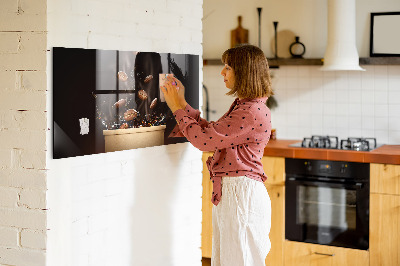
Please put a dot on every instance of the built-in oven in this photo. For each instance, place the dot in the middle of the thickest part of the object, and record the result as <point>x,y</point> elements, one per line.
<point>327,202</point>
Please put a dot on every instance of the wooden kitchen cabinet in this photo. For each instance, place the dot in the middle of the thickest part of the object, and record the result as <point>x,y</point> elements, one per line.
<point>274,168</point>
<point>277,233</point>
<point>385,178</point>
<point>384,237</point>
<point>305,254</point>
<point>206,232</point>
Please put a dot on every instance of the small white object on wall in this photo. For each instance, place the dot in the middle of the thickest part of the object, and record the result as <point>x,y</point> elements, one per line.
<point>84,124</point>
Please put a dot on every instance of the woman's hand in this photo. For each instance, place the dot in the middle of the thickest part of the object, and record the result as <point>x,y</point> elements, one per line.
<point>173,95</point>
<point>181,90</point>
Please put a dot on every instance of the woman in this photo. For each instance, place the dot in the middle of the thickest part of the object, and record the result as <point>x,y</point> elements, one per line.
<point>242,207</point>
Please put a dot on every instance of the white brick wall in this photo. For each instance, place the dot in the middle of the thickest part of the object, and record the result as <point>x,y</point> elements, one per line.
<point>9,197</point>
<point>23,178</point>
<point>23,218</point>
<point>23,16</point>
<point>136,207</point>
<point>23,256</point>
<point>9,237</point>
<point>116,209</point>
<point>93,201</point>
<point>34,239</point>
<point>33,198</point>
<point>23,132</point>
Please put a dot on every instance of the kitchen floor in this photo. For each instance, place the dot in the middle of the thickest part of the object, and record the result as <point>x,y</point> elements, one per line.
<point>206,261</point>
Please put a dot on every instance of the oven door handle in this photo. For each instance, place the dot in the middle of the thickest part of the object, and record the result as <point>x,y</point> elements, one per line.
<point>357,185</point>
<point>324,254</point>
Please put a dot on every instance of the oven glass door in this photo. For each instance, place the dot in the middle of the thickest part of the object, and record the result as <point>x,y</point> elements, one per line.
<point>326,213</point>
<point>326,207</point>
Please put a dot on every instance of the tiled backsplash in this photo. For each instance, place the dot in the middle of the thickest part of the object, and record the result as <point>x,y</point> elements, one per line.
<point>311,102</point>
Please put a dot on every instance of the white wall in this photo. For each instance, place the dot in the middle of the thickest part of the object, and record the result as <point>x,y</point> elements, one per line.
<point>23,132</point>
<point>311,102</point>
<point>305,18</point>
<point>135,207</point>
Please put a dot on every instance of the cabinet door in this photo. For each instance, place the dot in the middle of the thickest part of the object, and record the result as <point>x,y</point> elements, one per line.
<point>384,229</point>
<point>385,178</point>
<point>277,233</point>
<point>206,233</point>
<point>274,168</point>
<point>305,254</point>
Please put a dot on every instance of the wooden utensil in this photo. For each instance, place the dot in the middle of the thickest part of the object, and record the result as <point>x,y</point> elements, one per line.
<point>239,35</point>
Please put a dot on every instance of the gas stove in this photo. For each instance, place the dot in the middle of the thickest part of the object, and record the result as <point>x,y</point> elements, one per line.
<point>332,142</point>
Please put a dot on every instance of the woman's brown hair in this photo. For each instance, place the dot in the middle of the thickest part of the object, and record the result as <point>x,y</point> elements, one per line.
<point>250,66</point>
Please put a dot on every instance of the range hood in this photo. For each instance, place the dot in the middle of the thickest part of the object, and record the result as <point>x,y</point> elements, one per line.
<point>341,51</point>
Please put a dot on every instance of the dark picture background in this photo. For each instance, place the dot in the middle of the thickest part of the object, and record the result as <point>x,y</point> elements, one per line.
<point>87,83</point>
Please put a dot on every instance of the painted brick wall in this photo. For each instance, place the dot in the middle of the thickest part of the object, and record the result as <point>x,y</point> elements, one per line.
<point>126,208</point>
<point>136,207</point>
<point>23,132</point>
<point>109,209</point>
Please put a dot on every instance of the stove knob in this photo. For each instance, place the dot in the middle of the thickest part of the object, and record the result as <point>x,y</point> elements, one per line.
<point>343,168</point>
<point>308,166</point>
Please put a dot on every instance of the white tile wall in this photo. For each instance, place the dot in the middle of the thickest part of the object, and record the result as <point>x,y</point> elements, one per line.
<point>311,102</point>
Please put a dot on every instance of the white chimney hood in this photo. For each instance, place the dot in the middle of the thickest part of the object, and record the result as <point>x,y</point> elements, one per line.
<point>341,51</point>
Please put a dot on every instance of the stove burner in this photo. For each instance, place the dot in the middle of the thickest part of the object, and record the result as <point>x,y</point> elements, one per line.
<point>328,142</point>
<point>332,142</point>
<point>358,144</point>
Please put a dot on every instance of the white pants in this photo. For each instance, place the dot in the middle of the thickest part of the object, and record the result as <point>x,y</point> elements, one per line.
<point>241,223</point>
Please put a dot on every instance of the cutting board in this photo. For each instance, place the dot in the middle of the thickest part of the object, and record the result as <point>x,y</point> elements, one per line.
<point>239,35</point>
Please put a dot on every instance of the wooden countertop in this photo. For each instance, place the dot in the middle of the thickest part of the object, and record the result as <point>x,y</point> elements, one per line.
<point>389,154</point>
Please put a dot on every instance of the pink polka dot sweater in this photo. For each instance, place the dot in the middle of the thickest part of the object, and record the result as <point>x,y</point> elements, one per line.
<point>238,139</point>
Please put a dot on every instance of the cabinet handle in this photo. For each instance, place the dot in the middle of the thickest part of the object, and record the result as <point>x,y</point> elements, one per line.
<point>325,254</point>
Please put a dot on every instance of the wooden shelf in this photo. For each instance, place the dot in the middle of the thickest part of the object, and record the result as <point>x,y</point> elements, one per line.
<point>380,61</point>
<point>273,63</point>
<point>212,62</point>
